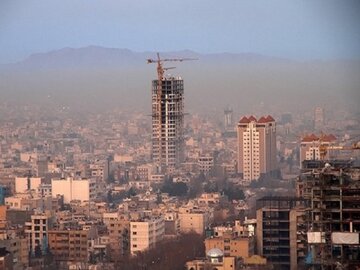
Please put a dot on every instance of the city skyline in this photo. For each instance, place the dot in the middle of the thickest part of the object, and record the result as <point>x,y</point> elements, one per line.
<point>248,158</point>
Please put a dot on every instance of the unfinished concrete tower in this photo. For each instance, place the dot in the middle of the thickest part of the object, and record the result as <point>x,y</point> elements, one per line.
<point>167,122</point>
<point>167,117</point>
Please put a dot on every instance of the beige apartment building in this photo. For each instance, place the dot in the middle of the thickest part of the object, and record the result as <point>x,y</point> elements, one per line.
<point>69,245</point>
<point>232,245</point>
<point>118,227</point>
<point>256,147</point>
<point>193,220</point>
<point>215,259</point>
<point>145,234</point>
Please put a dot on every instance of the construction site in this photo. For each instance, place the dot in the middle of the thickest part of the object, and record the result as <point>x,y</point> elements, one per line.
<point>332,219</point>
<point>167,117</point>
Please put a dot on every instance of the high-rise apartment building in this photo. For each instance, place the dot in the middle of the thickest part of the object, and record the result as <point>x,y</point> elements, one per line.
<point>256,147</point>
<point>319,119</point>
<point>228,119</point>
<point>278,220</point>
<point>167,122</point>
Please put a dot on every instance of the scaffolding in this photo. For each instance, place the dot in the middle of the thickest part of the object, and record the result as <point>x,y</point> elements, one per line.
<point>167,116</point>
<point>333,189</point>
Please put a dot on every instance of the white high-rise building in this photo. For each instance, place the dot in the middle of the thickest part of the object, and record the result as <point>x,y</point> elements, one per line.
<point>319,118</point>
<point>256,147</point>
<point>144,234</point>
<point>168,123</point>
<point>74,189</point>
<point>228,120</point>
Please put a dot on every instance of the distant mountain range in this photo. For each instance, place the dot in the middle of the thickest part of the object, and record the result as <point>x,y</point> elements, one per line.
<point>97,77</point>
<point>95,56</point>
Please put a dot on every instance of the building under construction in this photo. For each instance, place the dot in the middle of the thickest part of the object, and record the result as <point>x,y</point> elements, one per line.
<point>333,219</point>
<point>167,126</point>
<point>167,117</point>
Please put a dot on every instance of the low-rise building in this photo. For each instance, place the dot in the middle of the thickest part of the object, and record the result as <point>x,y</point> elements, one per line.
<point>215,259</point>
<point>232,245</point>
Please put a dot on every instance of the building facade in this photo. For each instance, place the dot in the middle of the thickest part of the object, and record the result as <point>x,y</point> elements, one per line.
<point>233,246</point>
<point>319,118</point>
<point>145,234</point>
<point>36,232</point>
<point>74,189</point>
<point>332,189</point>
<point>69,245</point>
<point>215,259</point>
<point>276,231</point>
<point>23,184</point>
<point>228,120</point>
<point>314,147</point>
<point>168,123</point>
<point>256,147</point>
<point>194,220</point>
<point>118,227</point>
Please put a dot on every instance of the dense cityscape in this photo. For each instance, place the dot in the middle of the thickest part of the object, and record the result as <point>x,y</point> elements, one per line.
<point>257,191</point>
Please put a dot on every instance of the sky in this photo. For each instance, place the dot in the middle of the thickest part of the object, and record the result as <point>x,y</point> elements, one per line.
<point>298,29</point>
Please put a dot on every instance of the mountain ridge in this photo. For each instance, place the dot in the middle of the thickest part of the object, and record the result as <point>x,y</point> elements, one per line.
<point>68,57</point>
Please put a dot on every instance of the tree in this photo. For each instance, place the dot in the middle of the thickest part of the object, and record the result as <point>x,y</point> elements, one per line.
<point>234,193</point>
<point>131,192</point>
<point>109,197</point>
<point>168,254</point>
<point>37,251</point>
<point>196,187</point>
<point>174,189</point>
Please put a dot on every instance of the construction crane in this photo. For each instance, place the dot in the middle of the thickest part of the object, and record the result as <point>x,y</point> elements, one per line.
<point>159,62</point>
<point>324,148</point>
<point>160,74</point>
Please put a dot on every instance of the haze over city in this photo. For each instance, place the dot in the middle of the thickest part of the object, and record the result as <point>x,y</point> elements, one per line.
<point>273,53</point>
<point>172,135</point>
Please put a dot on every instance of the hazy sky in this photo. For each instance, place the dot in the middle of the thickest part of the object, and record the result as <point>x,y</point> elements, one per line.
<point>323,29</point>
